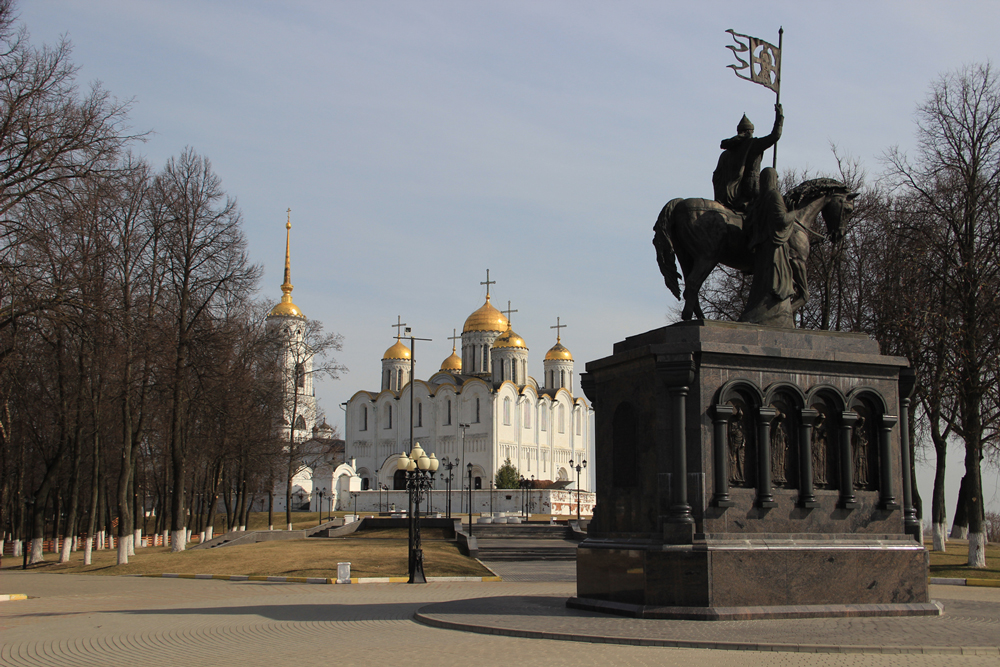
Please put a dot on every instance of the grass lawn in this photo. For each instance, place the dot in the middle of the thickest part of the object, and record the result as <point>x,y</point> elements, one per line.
<point>313,557</point>
<point>952,561</point>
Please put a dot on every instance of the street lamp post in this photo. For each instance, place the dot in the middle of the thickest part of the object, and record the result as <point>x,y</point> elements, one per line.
<point>417,468</point>
<point>448,477</point>
<point>521,483</point>
<point>491,496</point>
<point>355,494</point>
<point>319,508</point>
<point>578,467</point>
<point>468,467</point>
<point>463,427</point>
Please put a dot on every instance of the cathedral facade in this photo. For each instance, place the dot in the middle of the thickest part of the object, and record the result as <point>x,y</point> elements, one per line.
<point>482,407</point>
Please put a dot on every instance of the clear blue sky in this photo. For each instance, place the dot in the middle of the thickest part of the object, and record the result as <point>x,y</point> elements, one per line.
<point>418,143</point>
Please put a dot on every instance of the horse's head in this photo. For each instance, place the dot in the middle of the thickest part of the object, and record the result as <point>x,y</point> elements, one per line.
<point>836,212</point>
<point>838,203</point>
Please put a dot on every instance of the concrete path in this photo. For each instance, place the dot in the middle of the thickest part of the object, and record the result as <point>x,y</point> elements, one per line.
<point>96,620</point>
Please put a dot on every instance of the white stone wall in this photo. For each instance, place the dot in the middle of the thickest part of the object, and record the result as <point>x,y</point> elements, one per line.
<point>541,501</point>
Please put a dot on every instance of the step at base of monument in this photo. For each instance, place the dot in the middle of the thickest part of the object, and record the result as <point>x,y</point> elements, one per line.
<point>756,613</point>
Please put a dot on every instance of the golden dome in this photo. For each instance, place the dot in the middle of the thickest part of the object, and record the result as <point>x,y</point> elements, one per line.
<point>397,351</point>
<point>487,318</point>
<point>452,364</point>
<point>510,340</point>
<point>286,308</point>
<point>558,353</point>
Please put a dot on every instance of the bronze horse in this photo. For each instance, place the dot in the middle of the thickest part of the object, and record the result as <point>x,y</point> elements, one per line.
<point>700,234</point>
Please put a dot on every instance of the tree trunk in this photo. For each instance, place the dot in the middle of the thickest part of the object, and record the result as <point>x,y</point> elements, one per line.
<point>939,512</point>
<point>960,526</point>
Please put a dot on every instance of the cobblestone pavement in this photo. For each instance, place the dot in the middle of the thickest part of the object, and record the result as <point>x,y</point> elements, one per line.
<point>94,620</point>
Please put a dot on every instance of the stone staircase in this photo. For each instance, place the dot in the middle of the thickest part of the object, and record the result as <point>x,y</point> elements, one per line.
<point>526,542</point>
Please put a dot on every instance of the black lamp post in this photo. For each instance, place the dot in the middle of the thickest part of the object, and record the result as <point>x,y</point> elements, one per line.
<point>522,483</point>
<point>491,496</point>
<point>418,468</point>
<point>355,494</point>
<point>329,506</point>
<point>578,467</point>
<point>319,508</point>
<point>448,477</point>
<point>468,467</point>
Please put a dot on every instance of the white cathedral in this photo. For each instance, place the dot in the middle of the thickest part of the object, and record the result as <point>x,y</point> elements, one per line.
<point>481,408</point>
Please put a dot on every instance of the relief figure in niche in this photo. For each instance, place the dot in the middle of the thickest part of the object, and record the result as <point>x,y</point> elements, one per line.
<point>820,451</point>
<point>861,450</point>
<point>737,448</point>
<point>779,447</point>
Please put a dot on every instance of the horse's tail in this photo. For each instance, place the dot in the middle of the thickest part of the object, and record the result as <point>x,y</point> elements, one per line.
<point>664,244</point>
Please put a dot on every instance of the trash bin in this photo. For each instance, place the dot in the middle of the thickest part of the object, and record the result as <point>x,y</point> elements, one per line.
<point>343,573</point>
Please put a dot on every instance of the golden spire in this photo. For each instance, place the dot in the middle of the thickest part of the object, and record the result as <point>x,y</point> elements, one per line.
<point>286,287</point>
<point>286,307</point>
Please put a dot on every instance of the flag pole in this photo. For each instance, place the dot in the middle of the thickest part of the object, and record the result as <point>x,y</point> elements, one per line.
<point>777,93</point>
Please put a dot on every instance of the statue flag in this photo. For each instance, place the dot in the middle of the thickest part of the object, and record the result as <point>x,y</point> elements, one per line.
<point>763,60</point>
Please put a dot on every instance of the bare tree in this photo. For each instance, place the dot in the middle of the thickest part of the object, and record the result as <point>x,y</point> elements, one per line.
<point>206,262</point>
<point>954,182</point>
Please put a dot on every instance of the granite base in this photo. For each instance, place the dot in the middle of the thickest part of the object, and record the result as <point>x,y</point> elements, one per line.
<point>826,577</point>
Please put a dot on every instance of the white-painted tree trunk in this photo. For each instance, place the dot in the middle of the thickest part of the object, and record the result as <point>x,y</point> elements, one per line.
<point>210,532</point>
<point>112,541</point>
<point>17,548</point>
<point>201,537</point>
<point>187,535</point>
<point>136,540</point>
<point>100,540</point>
<point>88,551</point>
<point>289,527</point>
<point>166,540</point>
<point>36,551</point>
<point>977,549</point>
<point>243,528</point>
<point>64,553</point>
<point>123,552</point>
<point>76,543</point>
<point>178,543</point>
<point>940,530</point>
<point>270,526</point>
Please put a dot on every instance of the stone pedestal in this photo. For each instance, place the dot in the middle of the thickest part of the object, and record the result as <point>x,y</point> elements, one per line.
<point>750,471</point>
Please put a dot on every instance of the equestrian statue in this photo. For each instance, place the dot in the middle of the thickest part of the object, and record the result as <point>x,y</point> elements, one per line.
<point>750,226</point>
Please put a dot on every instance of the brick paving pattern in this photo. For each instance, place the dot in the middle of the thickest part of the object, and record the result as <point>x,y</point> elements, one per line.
<point>94,620</point>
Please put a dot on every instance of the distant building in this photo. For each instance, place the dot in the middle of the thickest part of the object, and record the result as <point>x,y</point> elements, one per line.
<point>539,427</point>
<point>321,453</point>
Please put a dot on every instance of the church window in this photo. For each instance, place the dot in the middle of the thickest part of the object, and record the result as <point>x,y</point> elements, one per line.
<point>387,379</point>
<point>562,378</point>
<point>399,379</point>
<point>478,483</point>
<point>502,367</point>
<point>486,358</point>
<point>365,484</point>
<point>300,423</point>
<point>542,421</point>
<point>448,416</point>
<point>513,371</point>
<point>420,414</point>
<point>527,417</point>
<point>562,418</point>
<point>506,411</point>
<point>388,416</point>
<point>477,410</point>
<point>364,418</point>
<point>300,376</point>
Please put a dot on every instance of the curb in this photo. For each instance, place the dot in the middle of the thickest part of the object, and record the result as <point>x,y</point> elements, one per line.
<point>12,596</point>
<point>430,621</point>
<point>949,581</point>
<point>310,580</point>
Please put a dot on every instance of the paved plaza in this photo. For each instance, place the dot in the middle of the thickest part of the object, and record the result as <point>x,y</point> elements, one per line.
<point>95,620</point>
